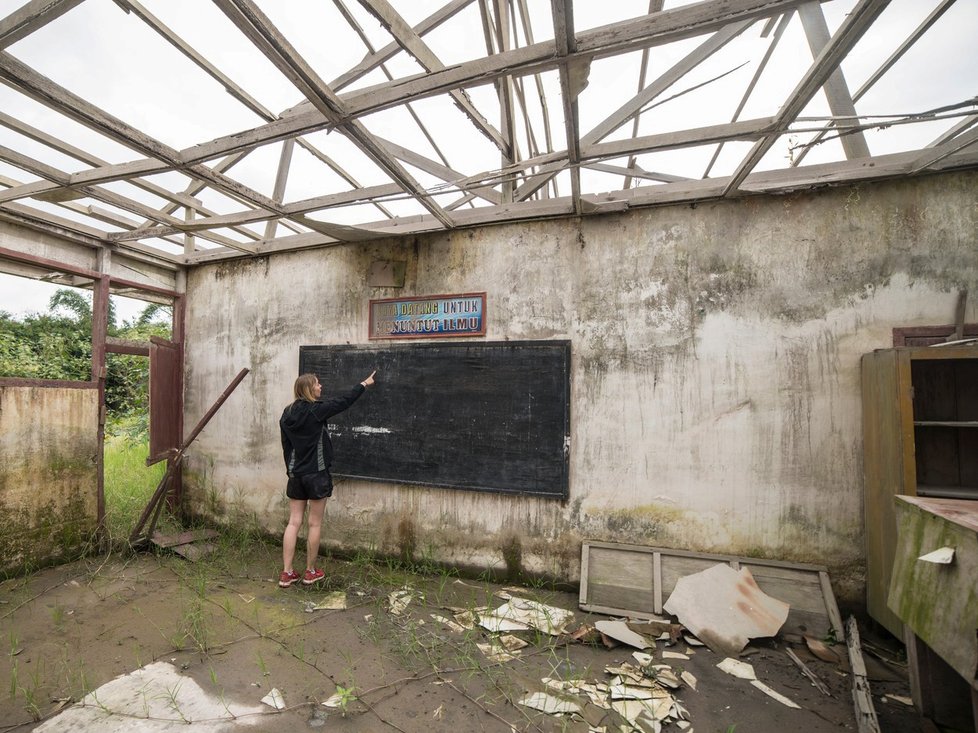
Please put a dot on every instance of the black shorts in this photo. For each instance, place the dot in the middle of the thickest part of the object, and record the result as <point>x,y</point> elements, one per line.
<point>311,486</point>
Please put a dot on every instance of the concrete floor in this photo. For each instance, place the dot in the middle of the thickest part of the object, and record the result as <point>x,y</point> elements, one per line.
<point>152,642</point>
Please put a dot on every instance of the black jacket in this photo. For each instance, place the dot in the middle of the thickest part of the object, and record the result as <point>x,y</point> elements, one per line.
<point>305,440</point>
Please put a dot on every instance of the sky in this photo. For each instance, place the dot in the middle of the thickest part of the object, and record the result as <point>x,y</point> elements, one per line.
<point>20,296</point>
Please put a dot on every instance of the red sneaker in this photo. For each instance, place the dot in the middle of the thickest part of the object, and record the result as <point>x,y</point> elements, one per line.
<point>312,576</point>
<point>287,579</point>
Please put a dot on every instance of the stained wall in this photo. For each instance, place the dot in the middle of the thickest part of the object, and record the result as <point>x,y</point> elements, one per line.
<point>715,398</point>
<point>48,479</point>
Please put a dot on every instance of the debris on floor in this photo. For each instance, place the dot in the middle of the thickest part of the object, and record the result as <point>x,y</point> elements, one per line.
<point>725,608</point>
<point>274,699</point>
<point>556,671</point>
<point>521,614</point>
<point>745,671</point>
<point>330,602</point>
<point>619,631</point>
<point>399,600</point>
<point>634,698</point>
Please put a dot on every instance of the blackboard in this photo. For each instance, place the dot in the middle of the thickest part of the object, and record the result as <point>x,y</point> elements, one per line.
<point>486,416</point>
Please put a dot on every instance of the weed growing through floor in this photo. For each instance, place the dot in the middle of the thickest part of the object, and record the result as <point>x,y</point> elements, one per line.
<point>345,696</point>
<point>58,617</point>
<point>171,695</point>
<point>30,692</point>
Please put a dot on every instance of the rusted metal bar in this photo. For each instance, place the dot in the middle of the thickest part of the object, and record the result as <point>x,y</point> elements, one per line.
<point>151,507</point>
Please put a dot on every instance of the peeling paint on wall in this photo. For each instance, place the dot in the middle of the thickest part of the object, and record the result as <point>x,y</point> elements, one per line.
<point>715,379</point>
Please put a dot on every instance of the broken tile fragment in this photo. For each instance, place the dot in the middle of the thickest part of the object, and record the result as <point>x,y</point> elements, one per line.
<point>448,622</point>
<point>549,704</point>
<point>521,614</point>
<point>673,655</point>
<point>274,699</point>
<point>398,601</point>
<point>725,608</point>
<point>745,671</point>
<point>820,650</point>
<point>619,631</point>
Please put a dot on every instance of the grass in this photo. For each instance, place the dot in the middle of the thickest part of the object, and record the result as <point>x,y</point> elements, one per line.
<point>129,484</point>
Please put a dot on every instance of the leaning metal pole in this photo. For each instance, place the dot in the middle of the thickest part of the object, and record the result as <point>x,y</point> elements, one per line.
<point>156,502</point>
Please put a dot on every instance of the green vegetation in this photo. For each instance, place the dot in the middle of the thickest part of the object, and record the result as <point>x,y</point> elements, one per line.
<point>58,345</point>
<point>129,484</point>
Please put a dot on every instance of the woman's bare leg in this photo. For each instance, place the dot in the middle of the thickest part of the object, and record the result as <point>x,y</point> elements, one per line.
<point>297,507</point>
<point>316,509</point>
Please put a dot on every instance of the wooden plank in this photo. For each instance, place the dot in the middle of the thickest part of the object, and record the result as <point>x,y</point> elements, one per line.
<point>583,591</point>
<point>625,601</point>
<point>856,23</point>
<point>182,538</point>
<point>267,38</point>
<point>942,151</point>
<point>657,581</point>
<point>835,618</point>
<point>412,42</point>
<point>862,696</point>
<point>195,551</point>
<point>642,32</point>
<point>31,16</point>
<point>744,130</point>
<point>883,476</point>
<point>836,90</point>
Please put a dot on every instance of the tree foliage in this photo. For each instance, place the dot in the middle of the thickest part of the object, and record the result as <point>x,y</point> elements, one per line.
<point>58,345</point>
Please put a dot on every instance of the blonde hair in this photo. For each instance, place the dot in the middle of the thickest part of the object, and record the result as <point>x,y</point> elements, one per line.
<point>304,387</point>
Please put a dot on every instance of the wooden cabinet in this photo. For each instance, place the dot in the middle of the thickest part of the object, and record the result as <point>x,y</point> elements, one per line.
<point>938,604</point>
<point>920,438</point>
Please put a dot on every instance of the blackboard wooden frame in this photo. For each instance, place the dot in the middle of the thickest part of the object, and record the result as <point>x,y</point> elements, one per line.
<point>480,416</point>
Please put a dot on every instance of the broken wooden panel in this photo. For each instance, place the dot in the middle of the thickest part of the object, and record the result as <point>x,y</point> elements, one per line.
<point>623,579</point>
<point>192,544</point>
<point>618,578</point>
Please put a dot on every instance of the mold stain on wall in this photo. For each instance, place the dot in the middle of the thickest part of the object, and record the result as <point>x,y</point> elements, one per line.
<point>48,476</point>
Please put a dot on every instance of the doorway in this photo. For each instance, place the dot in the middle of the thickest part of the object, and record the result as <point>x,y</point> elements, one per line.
<point>129,480</point>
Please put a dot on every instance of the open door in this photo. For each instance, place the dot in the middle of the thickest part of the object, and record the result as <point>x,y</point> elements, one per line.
<point>165,399</point>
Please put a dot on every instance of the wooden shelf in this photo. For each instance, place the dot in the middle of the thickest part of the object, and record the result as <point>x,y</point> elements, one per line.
<point>946,423</point>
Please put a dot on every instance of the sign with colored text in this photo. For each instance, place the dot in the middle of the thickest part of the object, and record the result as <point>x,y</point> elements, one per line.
<point>435,316</point>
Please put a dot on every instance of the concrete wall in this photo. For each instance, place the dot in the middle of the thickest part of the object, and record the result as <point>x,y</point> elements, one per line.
<point>48,480</point>
<point>715,385</point>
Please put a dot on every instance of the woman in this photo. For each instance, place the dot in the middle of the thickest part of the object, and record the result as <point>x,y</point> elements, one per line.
<point>308,454</point>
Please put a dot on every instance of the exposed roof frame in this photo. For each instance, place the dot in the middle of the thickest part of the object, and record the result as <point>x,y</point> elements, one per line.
<point>856,23</point>
<point>524,184</point>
